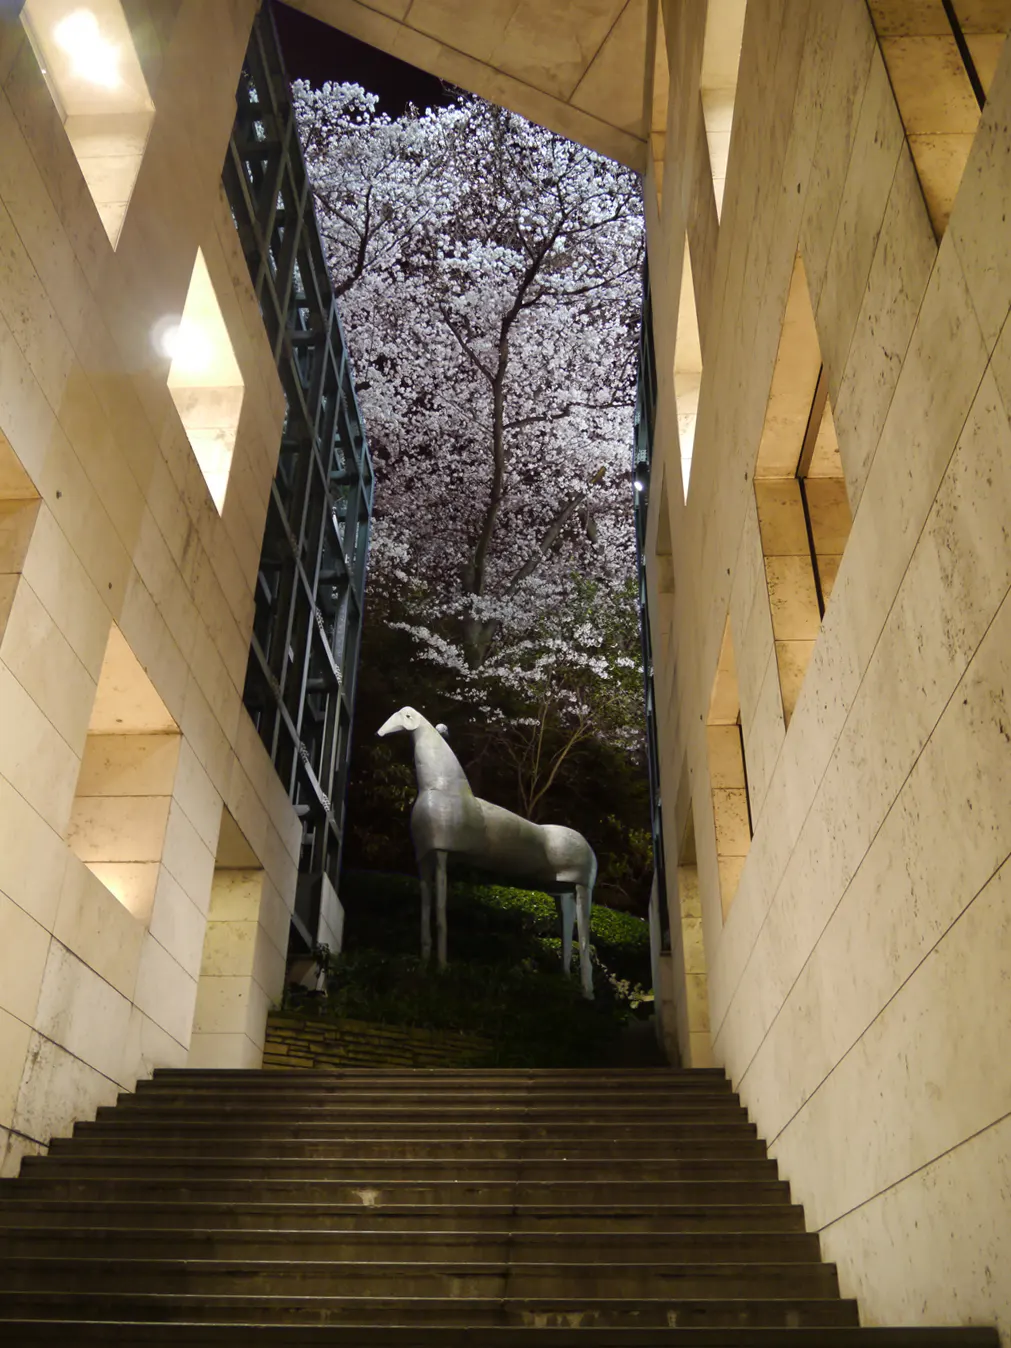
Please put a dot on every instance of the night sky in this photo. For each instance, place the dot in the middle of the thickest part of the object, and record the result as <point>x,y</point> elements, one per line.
<point>316,52</point>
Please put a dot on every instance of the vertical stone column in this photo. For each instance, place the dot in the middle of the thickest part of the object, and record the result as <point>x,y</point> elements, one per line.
<point>242,970</point>
<point>23,938</point>
<point>690,989</point>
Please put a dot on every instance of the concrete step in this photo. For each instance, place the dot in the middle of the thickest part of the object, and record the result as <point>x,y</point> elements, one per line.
<point>420,1208</point>
<point>436,1081</point>
<point>457,1107</point>
<point>516,1150</point>
<point>199,1108</point>
<point>249,1335</point>
<point>336,1093</point>
<point>25,1211</point>
<point>550,1075</point>
<point>112,1121</point>
<point>191,1164</point>
<point>529,1313</point>
<point>370,1193</point>
<point>417,1278</point>
<point>588,1246</point>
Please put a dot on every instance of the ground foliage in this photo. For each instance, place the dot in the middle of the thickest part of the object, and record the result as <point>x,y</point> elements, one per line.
<point>488,277</point>
<point>503,981</point>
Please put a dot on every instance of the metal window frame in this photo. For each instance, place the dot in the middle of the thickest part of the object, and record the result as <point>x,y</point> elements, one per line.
<point>310,585</point>
<point>642,460</point>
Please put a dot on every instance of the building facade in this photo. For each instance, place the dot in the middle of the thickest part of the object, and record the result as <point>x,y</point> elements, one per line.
<point>827,187</point>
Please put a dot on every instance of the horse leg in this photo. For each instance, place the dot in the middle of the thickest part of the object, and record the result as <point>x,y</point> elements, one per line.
<point>568,906</point>
<point>426,867</point>
<point>583,932</point>
<point>440,905</point>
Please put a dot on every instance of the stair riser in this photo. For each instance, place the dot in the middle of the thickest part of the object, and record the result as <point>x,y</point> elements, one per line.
<point>473,1122</point>
<point>374,1086</point>
<point>590,1101</point>
<point>115,1122</point>
<point>368,1171</point>
<point>338,1336</point>
<point>372,1194</point>
<point>766,1220</point>
<point>240,1148</point>
<point>322,1280</point>
<point>424,1075</point>
<point>319,1082</point>
<point>325,1109</point>
<point>559,1313</point>
<point>441,1077</point>
<point>430,1246</point>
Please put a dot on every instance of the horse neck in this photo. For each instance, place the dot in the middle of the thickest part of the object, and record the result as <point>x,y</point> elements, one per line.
<point>436,766</point>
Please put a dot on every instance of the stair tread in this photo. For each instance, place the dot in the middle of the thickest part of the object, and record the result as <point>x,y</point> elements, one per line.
<point>412,1336</point>
<point>464,1236</point>
<point>427,1265</point>
<point>444,1309</point>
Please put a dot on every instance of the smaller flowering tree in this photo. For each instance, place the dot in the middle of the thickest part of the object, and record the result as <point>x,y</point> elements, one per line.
<point>574,686</point>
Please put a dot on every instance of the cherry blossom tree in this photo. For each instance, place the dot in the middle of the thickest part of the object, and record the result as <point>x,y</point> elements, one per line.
<point>489,279</point>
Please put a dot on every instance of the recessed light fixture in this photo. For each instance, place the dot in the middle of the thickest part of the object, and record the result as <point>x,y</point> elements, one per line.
<point>92,56</point>
<point>187,345</point>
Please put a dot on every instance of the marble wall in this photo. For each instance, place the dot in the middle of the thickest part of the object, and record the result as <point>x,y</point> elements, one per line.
<point>107,526</point>
<point>858,981</point>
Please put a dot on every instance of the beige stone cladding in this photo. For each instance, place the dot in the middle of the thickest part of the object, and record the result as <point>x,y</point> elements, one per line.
<point>243,961</point>
<point>107,526</point>
<point>858,985</point>
<point>575,66</point>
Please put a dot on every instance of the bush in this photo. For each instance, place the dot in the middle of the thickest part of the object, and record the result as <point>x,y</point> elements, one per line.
<point>504,980</point>
<point>495,925</point>
<point>622,945</point>
<point>530,1018</point>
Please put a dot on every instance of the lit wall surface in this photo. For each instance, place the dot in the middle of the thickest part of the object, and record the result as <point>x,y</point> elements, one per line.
<point>87,57</point>
<point>127,571</point>
<point>845,533</point>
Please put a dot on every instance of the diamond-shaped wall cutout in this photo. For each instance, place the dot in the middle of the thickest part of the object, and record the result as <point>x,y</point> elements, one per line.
<point>87,56</point>
<point>205,381</point>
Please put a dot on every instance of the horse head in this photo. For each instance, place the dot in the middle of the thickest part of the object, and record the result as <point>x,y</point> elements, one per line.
<point>405,719</point>
<point>437,767</point>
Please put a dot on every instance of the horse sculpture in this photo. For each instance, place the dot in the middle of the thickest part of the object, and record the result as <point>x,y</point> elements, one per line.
<point>448,818</point>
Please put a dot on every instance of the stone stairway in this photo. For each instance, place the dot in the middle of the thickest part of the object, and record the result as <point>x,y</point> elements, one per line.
<point>428,1207</point>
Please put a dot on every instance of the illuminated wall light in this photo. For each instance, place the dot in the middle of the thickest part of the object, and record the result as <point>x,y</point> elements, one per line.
<point>189,347</point>
<point>93,57</point>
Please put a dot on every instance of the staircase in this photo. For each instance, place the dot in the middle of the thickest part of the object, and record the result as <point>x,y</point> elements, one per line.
<point>421,1208</point>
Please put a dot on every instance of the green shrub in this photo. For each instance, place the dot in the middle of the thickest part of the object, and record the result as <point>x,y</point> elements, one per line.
<point>503,979</point>
<point>622,944</point>
<point>530,1018</point>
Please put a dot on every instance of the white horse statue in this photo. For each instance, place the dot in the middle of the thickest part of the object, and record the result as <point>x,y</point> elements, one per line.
<point>448,817</point>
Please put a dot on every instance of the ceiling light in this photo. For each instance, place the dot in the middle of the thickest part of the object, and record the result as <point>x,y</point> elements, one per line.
<point>638,485</point>
<point>92,57</point>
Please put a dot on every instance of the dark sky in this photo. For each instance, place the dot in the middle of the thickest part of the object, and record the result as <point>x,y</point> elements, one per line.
<point>316,52</point>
